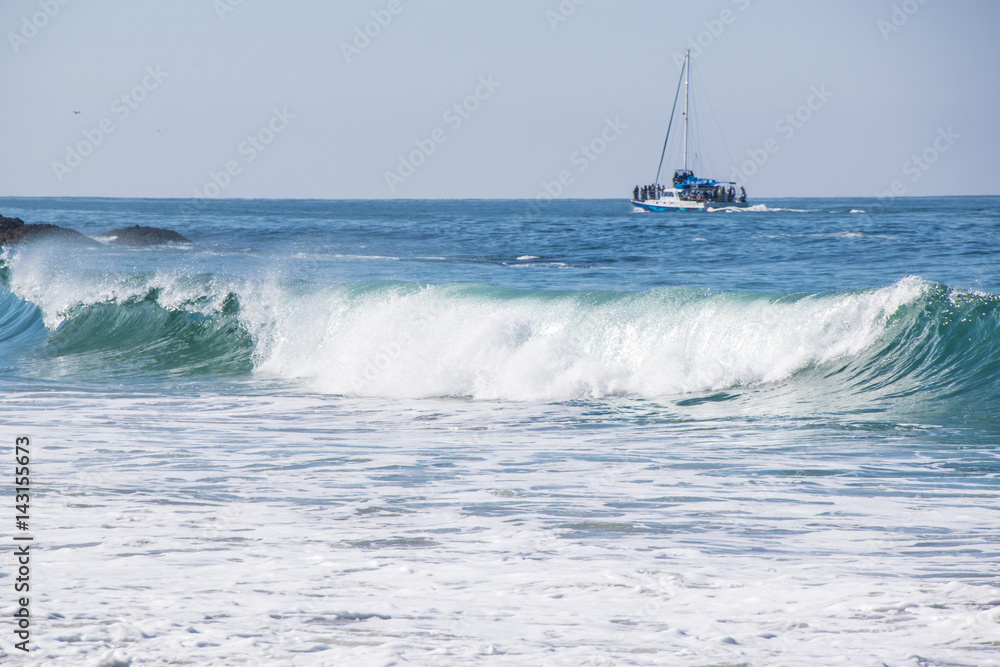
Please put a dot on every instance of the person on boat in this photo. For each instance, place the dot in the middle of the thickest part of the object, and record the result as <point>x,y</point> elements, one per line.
<point>743,195</point>
<point>635,193</point>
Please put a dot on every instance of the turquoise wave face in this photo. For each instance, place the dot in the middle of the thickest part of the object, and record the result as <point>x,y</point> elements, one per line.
<point>944,347</point>
<point>142,338</point>
<point>912,344</point>
<point>21,328</point>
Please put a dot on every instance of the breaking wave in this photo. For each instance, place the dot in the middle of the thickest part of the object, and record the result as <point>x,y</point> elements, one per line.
<point>393,339</point>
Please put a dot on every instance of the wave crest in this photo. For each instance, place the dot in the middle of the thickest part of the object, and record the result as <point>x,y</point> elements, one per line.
<point>405,340</point>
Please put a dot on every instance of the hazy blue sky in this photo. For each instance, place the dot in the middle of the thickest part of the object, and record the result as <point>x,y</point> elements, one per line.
<point>169,93</point>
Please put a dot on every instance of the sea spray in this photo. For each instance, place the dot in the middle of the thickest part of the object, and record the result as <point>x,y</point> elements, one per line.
<point>412,340</point>
<point>491,343</point>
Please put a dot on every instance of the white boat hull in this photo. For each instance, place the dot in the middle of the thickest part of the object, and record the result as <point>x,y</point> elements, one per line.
<point>665,204</point>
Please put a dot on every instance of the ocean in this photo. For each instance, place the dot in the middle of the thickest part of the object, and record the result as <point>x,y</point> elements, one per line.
<point>506,433</point>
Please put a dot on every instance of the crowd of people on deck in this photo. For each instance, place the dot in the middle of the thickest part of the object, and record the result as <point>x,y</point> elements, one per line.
<point>647,192</point>
<point>714,194</point>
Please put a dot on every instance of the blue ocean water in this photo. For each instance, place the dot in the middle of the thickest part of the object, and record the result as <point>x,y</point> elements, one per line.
<point>566,432</point>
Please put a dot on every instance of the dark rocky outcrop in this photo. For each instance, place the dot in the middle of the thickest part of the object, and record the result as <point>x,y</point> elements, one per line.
<point>15,230</point>
<point>143,236</point>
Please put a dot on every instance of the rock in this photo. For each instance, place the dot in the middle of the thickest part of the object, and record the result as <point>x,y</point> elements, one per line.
<point>15,230</point>
<point>10,223</point>
<point>143,236</point>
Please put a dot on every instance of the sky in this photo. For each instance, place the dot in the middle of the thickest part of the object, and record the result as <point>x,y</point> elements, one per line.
<point>376,99</point>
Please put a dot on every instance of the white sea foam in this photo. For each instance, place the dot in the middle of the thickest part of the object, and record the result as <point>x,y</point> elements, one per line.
<point>536,265</point>
<point>761,208</point>
<point>58,285</point>
<point>441,341</point>
<point>407,341</point>
<point>367,257</point>
<point>317,531</point>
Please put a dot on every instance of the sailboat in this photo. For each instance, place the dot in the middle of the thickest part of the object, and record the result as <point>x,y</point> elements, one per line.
<point>687,192</point>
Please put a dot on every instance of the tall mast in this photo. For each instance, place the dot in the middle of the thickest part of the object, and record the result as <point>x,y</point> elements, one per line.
<point>687,76</point>
<point>670,124</point>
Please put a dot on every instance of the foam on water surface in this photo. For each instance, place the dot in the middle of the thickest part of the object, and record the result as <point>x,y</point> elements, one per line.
<point>308,531</point>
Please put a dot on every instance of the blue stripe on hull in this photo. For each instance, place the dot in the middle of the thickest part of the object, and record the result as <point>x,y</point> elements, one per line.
<point>662,209</point>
